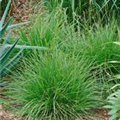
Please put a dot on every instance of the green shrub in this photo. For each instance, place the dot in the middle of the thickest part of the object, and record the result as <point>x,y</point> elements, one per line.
<point>53,87</point>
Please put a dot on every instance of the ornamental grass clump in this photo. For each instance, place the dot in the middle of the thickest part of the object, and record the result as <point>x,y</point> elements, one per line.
<point>94,44</point>
<point>53,87</point>
<point>98,43</point>
<point>44,29</point>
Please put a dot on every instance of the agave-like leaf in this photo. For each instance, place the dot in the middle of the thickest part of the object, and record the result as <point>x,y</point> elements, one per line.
<point>117,43</point>
<point>3,47</point>
<point>27,47</point>
<point>17,25</point>
<point>6,54</point>
<point>6,62</point>
<point>5,14</point>
<point>11,63</point>
<point>3,29</point>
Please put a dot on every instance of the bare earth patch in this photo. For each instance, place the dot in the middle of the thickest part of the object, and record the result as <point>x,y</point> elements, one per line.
<point>4,115</point>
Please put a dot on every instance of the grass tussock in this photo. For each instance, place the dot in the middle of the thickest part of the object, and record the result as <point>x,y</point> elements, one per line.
<point>43,30</point>
<point>54,87</point>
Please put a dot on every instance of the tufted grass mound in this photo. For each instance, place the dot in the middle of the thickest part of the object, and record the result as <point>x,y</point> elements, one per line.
<point>53,87</point>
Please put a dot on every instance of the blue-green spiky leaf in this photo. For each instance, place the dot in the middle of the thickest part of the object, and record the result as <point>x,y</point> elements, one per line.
<point>3,29</point>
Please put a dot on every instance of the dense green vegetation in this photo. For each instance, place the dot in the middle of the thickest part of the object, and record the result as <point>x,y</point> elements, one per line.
<point>88,9</point>
<point>78,71</point>
<point>54,86</point>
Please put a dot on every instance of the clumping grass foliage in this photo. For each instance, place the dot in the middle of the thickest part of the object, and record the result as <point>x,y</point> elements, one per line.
<point>99,45</point>
<point>53,87</point>
<point>44,29</point>
<point>96,44</point>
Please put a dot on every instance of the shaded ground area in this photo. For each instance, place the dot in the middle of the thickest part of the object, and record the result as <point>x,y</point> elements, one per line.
<point>4,115</point>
